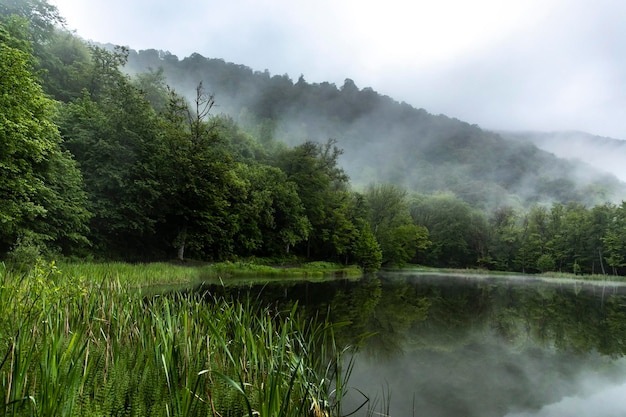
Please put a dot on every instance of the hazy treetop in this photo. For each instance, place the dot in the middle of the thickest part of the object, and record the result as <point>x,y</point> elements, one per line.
<point>532,65</point>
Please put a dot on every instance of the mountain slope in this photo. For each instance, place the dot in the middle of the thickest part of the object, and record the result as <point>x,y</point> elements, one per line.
<point>604,154</point>
<point>386,141</point>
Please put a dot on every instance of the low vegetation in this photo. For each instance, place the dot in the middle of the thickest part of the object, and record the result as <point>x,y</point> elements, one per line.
<point>163,273</point>
<point>76,345</point>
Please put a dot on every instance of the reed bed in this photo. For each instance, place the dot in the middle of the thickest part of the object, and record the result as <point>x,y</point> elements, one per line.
<point>77,346</point>
<point>304,270</point>
<point>163,273</point>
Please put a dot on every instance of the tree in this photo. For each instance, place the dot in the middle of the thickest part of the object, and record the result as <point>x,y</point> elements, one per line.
<point>271,217</point>
<point>199,180</point>
<point>546,263</point>
<point>41,192</point>
<point>65,64</point>
<point>321,185</point>
<point>569,241</point>
<point>42,17</point>
<point>614,240</point>
<point>600,221</point>
<point>114,134</point>
<point>457,232</point>
<point>534,238</point>
<point>366,250</point>
<point>504,238</point>
<point>391,223</point>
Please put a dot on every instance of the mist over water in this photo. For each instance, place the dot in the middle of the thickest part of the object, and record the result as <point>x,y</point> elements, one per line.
<point>488,378</point>
<point>496,349</point>
<point>606,402</point>
<point>451,345</point>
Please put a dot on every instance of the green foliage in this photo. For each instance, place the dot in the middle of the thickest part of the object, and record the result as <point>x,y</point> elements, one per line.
<point>272,218</point>
<point>457,232</point>
<point>96,346</point>
<point>387,141</point>
<point>392,225</point>
<point>545,263</point>
<point>24,253</point>
<point>66,66</point>
<point>40,186</point>
<point>504,238</point>
<point>321,186</point>
<point>40,15</point>
<point>614,240</point>
<point>158,176</point>
<point>367,252</point>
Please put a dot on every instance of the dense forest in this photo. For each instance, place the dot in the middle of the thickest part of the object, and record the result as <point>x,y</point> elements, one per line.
<point>386,141</point>
<point>109,153</point>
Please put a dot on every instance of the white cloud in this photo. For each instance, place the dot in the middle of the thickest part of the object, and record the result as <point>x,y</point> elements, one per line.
<point>533,64</point>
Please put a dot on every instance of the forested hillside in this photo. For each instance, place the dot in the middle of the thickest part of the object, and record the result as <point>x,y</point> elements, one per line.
<point>200,159</point>
<point>606,154</point>
<point>386,141</point>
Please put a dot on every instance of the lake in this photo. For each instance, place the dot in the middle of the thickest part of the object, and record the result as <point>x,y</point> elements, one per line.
<point>440,345</point>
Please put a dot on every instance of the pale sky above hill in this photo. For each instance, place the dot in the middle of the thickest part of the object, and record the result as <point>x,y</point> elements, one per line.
<point>502,64</point>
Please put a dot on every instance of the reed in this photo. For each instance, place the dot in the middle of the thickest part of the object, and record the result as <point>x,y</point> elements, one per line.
<point>90,343</point>
<point>163,273</point>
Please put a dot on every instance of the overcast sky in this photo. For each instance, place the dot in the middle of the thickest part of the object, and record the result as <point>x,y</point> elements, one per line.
<point>502,64</point>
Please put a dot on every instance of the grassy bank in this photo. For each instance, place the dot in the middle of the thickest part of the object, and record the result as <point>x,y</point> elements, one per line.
<point>548,275</point>
<point>88,343</point>
<point>159,273</point>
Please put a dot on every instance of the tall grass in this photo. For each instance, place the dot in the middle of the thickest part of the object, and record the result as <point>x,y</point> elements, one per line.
<point>162,273</point>
<point>72,346</point>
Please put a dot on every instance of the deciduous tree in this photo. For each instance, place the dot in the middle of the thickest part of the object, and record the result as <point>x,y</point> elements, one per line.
<point>40,188</point>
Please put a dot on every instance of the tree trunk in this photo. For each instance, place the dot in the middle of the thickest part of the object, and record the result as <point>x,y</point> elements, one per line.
<point>601,262</point>
<point>180,243</point>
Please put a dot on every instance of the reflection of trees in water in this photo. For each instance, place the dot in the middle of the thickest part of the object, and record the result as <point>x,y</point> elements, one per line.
<point>444,313</point>
<point>403,313</point>
<point>458,346</point>
<point>485,347</point>
<point>560,317</point>
<point>397,310</point>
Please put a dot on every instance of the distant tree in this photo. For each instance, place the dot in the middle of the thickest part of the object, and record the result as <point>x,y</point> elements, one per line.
<point>614,240</point>
<point>154,88</point>
<point>65,64</point>
<point>199,180</point>
<point>534,238</point>
<point>600,218</point>
<point>504,238</point>
<point>571,226</point>
<point>391,223</point>
<point>457,232</point>
<point>271,217</point>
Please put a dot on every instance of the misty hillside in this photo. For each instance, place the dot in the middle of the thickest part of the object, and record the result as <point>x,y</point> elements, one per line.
<point>386,141</point>
<point>605,154</point>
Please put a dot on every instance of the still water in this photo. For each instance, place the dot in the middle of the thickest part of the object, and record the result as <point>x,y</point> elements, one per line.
<point>444,345</point>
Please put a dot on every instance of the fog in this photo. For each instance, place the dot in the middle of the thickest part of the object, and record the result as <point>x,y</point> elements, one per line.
<point>605,154</point>
<point>386,141</point>
<point>523,65</point>
<point>607,401</point>
<point>487,379</point>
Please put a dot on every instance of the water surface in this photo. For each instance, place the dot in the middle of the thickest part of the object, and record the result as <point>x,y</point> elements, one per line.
<point>444,345</point>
